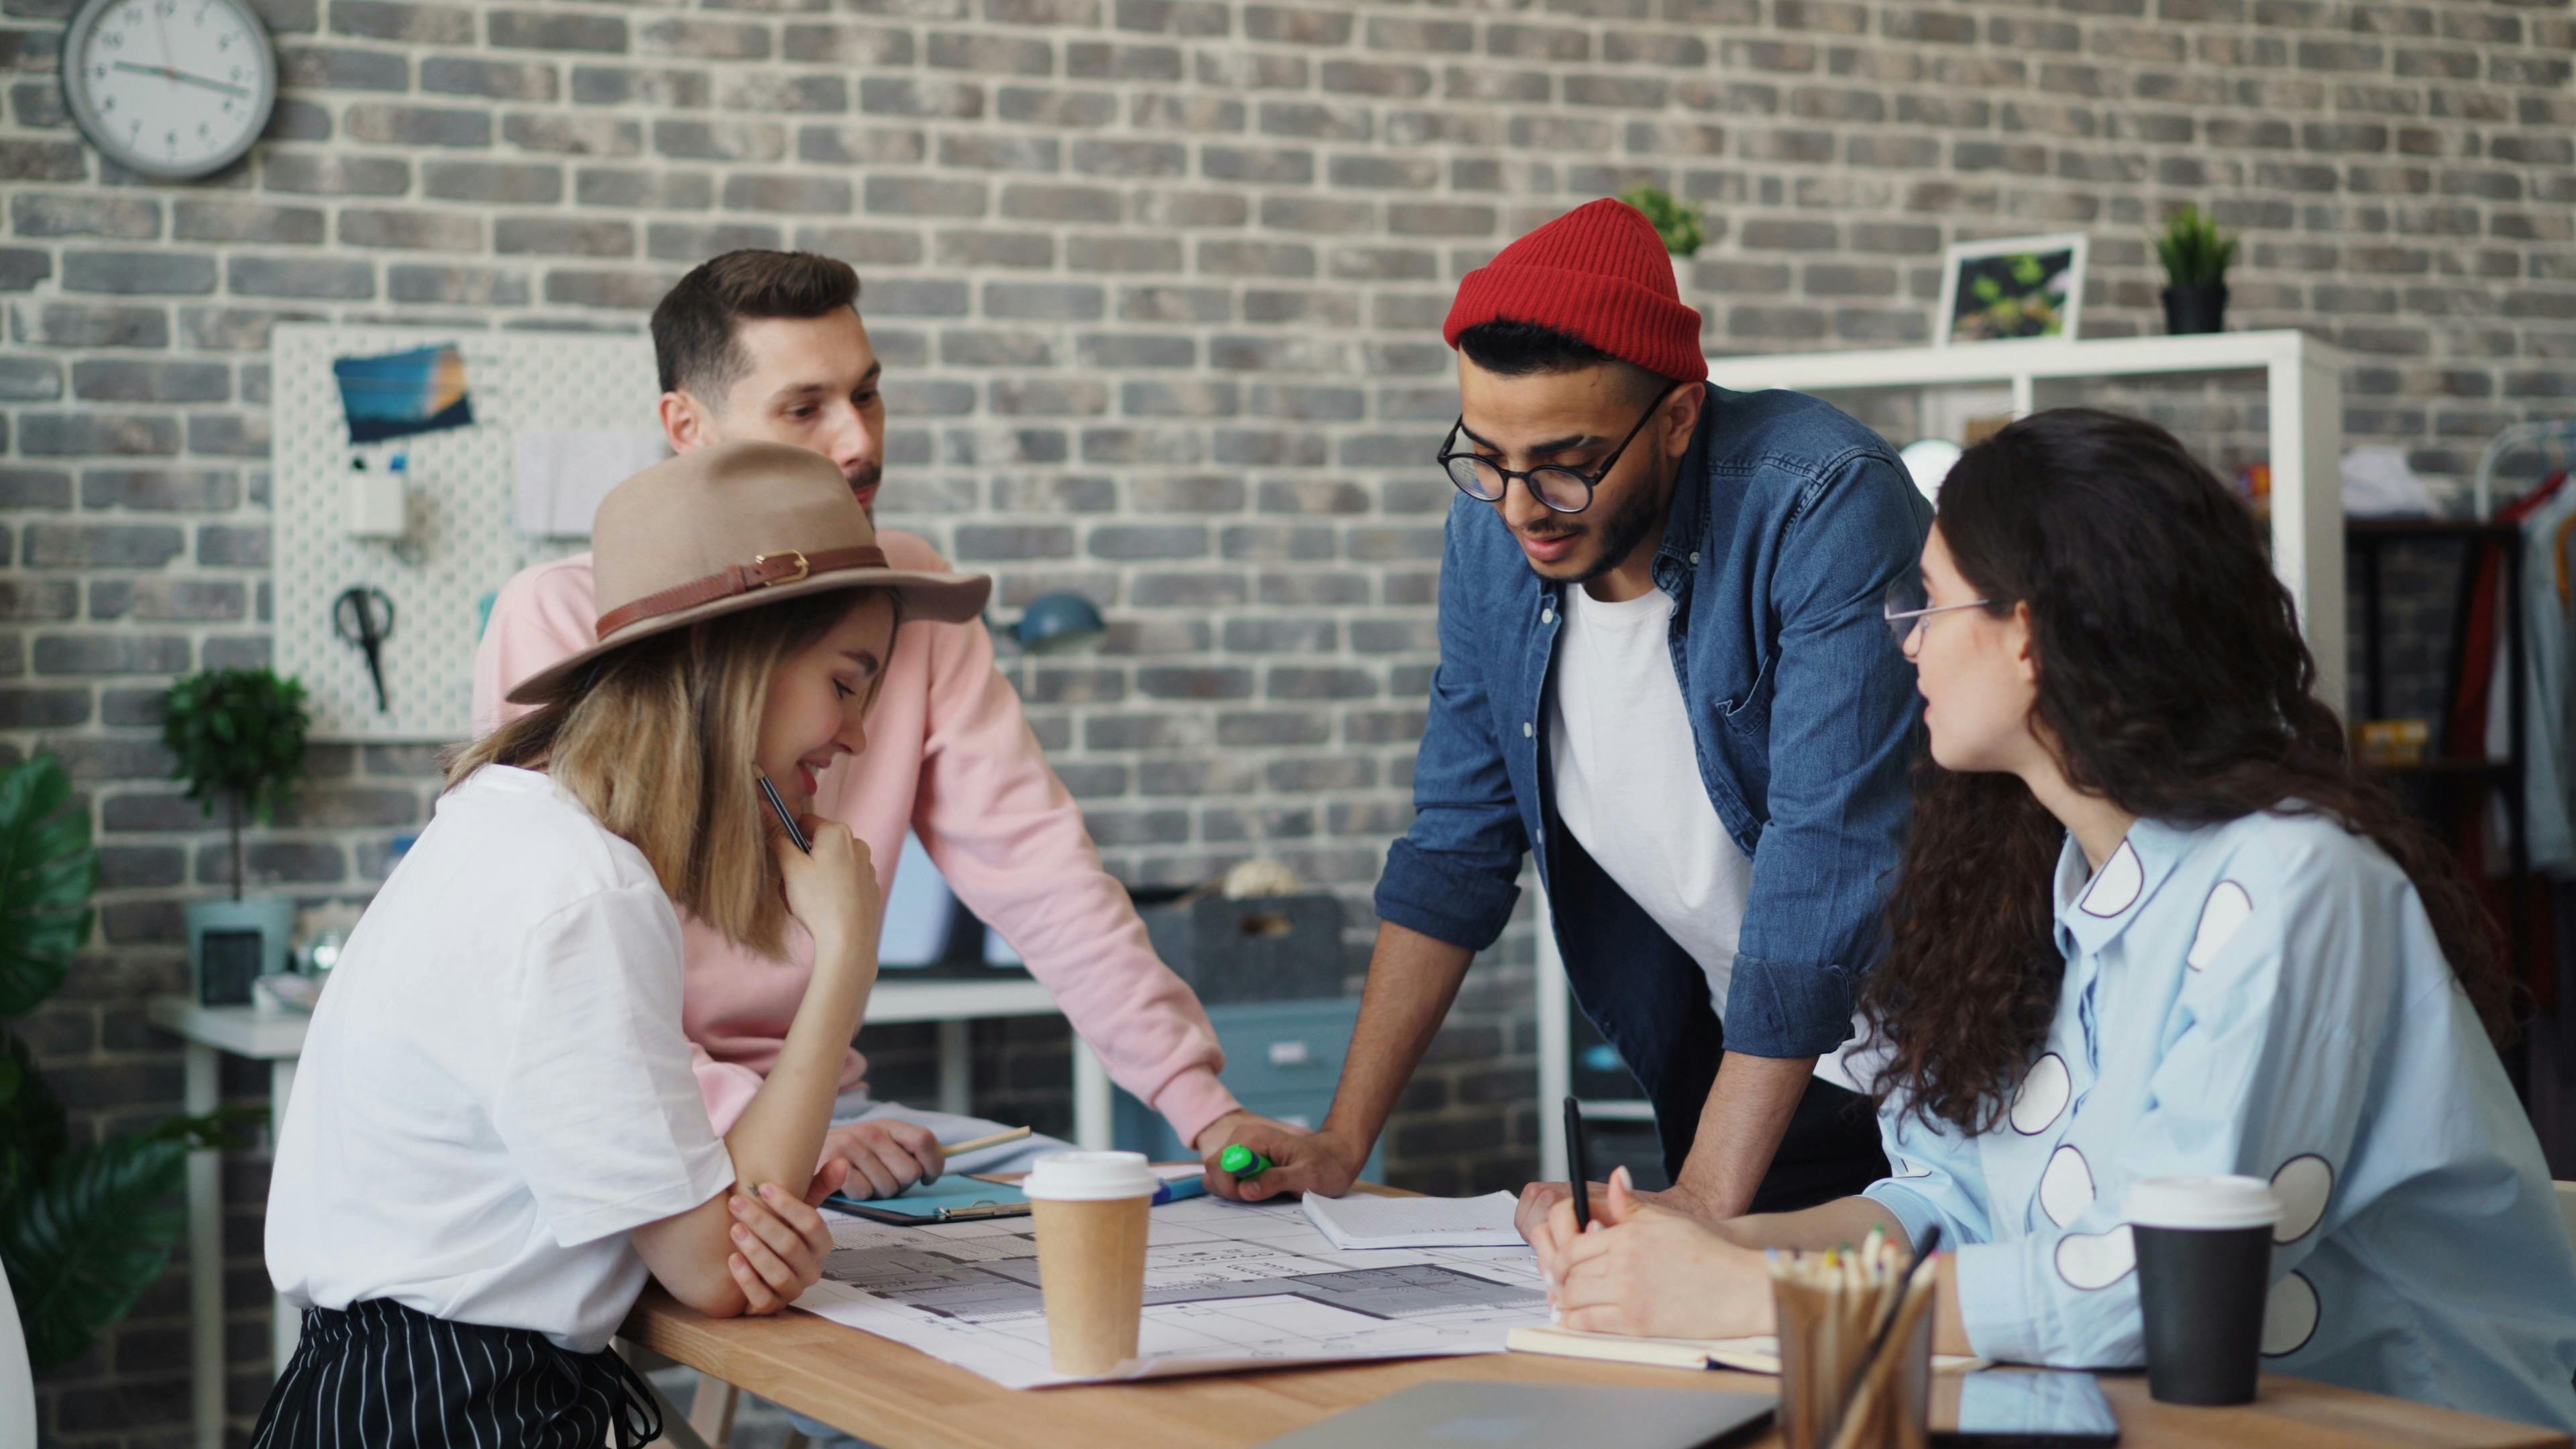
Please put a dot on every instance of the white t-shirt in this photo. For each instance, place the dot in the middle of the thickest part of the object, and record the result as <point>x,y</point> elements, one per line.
<point>1628,787</point>
<point>496,1088</point>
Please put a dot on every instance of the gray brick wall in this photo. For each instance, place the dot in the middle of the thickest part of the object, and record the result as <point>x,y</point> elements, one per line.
<point>1158,283</point>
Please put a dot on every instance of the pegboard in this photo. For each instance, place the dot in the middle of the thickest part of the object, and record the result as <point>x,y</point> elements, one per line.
<point>463,540</point>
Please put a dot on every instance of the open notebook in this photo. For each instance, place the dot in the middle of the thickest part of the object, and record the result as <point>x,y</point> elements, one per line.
<point>1759,1355</point>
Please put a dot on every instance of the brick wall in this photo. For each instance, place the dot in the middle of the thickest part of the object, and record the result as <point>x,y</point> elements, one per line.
<point>1158,284</point>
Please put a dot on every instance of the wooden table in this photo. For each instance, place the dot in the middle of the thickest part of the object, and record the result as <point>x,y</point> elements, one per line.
<point>902,1398</point>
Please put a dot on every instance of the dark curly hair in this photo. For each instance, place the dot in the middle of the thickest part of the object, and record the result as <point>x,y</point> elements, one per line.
<point>2172,682</point>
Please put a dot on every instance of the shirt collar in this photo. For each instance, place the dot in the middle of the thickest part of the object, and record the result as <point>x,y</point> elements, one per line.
<point>1686,521</point>
<point>2094,907</point>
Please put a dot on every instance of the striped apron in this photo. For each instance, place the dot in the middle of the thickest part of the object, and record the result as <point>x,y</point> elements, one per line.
<point>386,1376</point>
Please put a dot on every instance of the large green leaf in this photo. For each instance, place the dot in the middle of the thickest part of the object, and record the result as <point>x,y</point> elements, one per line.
<point>83,1240</point>
<point>47,872</point>
<point>32,1133</point>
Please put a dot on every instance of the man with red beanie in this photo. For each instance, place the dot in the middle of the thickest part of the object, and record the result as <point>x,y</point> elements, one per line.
<point>1666,669</point>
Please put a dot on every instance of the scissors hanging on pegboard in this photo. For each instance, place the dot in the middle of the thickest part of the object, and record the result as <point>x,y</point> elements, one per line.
<point>364,616</point>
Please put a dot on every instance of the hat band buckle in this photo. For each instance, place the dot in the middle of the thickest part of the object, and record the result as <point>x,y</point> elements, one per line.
<point>760,576</point>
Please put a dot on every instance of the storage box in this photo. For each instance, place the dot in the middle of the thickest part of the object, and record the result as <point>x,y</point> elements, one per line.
<point>1260,948</point>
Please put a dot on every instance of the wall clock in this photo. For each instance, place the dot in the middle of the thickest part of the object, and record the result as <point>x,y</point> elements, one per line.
<point>170,88</point>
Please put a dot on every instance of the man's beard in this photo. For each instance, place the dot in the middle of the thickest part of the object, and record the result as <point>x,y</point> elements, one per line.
<point>1620,533</point>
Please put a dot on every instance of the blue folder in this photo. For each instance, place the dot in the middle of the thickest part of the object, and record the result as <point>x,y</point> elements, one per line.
<point>961,1199</point>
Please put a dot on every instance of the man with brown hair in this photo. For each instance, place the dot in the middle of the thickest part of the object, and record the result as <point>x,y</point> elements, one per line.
<point>769,345</point>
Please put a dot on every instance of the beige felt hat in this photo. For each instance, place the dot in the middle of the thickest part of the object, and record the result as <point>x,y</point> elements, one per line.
<point>735,526</point>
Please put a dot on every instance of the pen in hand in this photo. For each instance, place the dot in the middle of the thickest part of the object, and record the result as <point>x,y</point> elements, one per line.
<point>1580,1170</point>
<point>795,832</point>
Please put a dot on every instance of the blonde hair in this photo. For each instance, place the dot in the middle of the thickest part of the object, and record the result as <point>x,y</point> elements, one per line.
<point>658,742</point>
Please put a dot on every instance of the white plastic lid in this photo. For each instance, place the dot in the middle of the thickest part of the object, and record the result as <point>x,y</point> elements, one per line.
<point>2203,1202</point>
<point>1089,1177</point>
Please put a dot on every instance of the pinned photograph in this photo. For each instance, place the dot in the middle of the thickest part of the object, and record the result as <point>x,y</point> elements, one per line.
<point>399,394</point>
<point>2014,287</point>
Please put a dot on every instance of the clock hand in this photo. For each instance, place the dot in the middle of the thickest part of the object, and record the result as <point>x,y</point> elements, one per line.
<point>171,73</point>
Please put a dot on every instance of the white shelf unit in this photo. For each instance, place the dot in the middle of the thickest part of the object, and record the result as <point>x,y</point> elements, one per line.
<point>2303,384</point>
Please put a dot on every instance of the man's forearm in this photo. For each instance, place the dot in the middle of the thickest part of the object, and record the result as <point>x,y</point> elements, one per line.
<point>1740,1127</point>
<point>1412,980</point>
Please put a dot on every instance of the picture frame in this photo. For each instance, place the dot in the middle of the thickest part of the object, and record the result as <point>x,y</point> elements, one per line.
<point>2012,288</point>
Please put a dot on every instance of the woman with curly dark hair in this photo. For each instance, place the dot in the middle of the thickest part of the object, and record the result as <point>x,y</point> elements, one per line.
<point>2153,920</point>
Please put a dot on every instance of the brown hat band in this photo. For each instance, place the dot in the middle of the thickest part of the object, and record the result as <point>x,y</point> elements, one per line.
<point>765,570</point>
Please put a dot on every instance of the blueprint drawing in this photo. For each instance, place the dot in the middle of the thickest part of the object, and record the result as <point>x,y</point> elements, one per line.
<point>1227,1286</point>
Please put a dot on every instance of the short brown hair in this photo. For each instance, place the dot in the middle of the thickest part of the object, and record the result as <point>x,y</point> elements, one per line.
<point>693,326</point>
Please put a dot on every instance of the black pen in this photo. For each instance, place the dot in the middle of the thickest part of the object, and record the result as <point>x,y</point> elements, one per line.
<point>795,834</point>
<point>1574,1164</point>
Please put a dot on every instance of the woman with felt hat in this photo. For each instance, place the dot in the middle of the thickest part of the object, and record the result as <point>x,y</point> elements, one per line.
<point>496,1134</point>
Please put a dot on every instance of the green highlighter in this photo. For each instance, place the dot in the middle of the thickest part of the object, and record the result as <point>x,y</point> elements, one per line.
<point>1242,1161</point>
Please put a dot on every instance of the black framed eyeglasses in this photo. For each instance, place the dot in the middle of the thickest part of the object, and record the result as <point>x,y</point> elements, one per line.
<point>1560,488</point>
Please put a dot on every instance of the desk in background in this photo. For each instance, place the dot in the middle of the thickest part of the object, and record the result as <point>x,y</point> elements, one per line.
<point>278,1040</point>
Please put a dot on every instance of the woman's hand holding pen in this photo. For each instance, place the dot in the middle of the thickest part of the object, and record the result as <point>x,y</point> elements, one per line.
<point>1650,1271</point>
<point>833,891</point>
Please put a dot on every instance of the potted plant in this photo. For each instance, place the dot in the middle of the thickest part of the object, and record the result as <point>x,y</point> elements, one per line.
<point>238,738</point>
<point>1678,225</point>
<point>2196,255</point>
<point>83,1230</point>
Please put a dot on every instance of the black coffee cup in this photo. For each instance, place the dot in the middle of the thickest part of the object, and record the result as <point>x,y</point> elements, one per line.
<point>2204,1269</point>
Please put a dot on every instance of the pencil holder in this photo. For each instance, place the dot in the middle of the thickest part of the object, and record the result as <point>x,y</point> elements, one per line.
<point>1893,1408</point>
<point>1834,1394</point>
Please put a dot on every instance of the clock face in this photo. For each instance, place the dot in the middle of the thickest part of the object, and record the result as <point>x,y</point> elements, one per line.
<point>172,88</point>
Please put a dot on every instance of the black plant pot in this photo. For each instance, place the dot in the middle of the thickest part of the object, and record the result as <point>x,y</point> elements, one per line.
<point>2190,311</point>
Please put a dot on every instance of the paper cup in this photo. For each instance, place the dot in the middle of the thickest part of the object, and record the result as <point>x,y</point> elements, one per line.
<point>1091,1210</point>
<point>2204,1268</point>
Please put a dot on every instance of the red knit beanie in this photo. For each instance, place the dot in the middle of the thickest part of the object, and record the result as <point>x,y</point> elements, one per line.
<point>1599,273</point>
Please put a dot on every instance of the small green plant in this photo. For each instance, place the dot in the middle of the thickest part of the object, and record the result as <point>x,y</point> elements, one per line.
<point>2195,252</point>
<point>1677,224</point>
<point>238,737</point>
<point>83,1230</point>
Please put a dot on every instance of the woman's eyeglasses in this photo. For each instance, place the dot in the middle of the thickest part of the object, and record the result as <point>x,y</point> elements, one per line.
<point>1563,489</point>
<point>1907,606</point>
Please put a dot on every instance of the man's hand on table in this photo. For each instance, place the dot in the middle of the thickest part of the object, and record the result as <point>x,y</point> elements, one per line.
<point>1300,1161</point>
<point>883,1156</point>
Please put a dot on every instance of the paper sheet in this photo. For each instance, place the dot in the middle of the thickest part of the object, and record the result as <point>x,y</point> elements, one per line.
<point>561,476</point>
<point>1227,1286</point>
<point>1368,1221</point>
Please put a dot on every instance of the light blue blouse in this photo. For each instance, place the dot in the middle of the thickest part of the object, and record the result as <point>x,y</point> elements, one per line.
<point>2263,997</point>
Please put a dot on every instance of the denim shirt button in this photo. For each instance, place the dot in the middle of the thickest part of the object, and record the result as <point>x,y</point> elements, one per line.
<point>1694,556</point>
<point>1527,730</point>
<point>1547,616</point>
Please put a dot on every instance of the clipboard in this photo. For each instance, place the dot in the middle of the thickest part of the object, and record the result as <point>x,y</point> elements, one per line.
<point>950,1200</point>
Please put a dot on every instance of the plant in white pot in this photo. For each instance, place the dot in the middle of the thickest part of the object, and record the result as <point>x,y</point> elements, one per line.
<point>238,738</point>
<point>1678,225</point>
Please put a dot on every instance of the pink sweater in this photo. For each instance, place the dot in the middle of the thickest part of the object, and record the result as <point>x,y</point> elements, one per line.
<point>951,756</point>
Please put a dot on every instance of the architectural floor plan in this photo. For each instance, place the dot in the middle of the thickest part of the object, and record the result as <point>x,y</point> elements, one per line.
<point>1227,1285</point>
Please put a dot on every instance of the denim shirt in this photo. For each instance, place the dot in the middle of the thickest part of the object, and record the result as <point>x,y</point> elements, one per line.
<point>1789,522</point>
